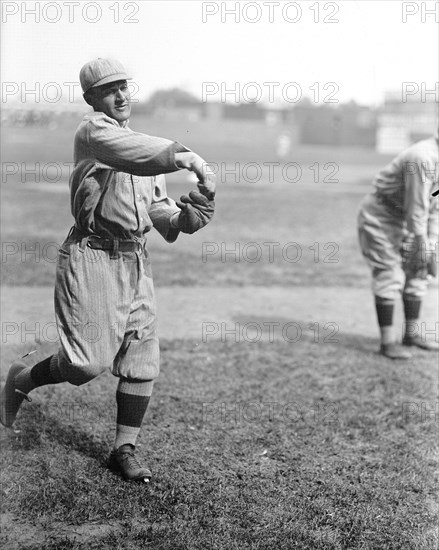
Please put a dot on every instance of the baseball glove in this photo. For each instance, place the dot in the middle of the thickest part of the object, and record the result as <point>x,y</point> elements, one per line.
<point>196,212</point>
<point>415,259</point>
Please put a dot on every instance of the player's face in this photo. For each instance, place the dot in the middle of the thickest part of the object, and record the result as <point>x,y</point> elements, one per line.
<point>114,100</point>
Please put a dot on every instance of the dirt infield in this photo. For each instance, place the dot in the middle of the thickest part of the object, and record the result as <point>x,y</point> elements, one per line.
<point>214,313</point>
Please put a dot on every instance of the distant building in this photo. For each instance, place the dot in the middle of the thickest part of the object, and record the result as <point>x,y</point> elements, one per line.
<point>188,113</point>
<point>342,126</point>
<point>236,111</point>
<point>48,115</point>
<point>402,123</point>
<point>213,111</point>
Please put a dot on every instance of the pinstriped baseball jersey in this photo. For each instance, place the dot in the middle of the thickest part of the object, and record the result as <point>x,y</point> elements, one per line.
<point>402,203</point>
<point>127,195</point>
<point>101,138</point>
<point>117,190</point>
<point>408,183</point>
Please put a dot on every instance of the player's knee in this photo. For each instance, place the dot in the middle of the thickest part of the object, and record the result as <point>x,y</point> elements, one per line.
<point>80,374</point>
<point>416,289</point>
<point>141,372</point>
<point>140,361</point>
<point>385,286</point>
<point>78,377</point>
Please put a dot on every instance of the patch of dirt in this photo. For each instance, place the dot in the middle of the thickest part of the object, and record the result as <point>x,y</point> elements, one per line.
<point>15,535</point>
<point>351,309</point>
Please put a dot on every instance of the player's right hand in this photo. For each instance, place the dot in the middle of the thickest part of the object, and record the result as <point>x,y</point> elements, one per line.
<point>206,177</point>
<point>417,262</point>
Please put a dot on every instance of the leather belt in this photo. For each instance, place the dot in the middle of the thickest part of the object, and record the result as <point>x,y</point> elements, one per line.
<point>112,244</point>
<point>115,245</point>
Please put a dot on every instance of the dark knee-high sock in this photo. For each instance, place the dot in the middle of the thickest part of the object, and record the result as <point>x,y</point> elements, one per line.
<point>132,401</point>
<point>40,374</point>
<point>412,308</point>
<point>384,309</point>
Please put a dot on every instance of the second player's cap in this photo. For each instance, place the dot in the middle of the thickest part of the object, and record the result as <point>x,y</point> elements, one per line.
<point>101,71</point>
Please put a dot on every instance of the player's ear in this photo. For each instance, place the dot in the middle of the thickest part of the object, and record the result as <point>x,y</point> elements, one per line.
<point>90,97</point>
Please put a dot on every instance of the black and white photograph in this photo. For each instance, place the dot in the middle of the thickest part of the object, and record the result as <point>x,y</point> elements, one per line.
<point>219,296</point>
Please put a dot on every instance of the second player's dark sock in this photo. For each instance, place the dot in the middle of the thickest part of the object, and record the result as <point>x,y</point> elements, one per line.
<point>384,309</point>
<point>412,308</point>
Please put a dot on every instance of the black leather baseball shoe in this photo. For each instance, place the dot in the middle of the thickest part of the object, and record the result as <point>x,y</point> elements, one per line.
<point>419,342</point>
<point>124,461</point>
<point>11,398</point>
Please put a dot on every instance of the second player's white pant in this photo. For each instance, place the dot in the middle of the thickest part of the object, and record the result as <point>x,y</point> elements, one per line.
<point>381,234</point>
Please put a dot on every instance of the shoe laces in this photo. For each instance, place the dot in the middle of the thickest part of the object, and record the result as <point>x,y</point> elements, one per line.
<point>130,459</point>
<point>25,395</point>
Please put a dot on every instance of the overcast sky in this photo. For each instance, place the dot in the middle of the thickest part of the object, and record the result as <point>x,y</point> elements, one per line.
<point>369,50</point>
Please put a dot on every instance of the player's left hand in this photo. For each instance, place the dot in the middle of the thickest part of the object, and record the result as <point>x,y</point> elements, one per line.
<point>432,258</point>
<point>432,267</point>
<point>196,212</point>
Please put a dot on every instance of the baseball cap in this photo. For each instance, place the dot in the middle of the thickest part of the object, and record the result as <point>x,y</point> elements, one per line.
<point>101,71</point>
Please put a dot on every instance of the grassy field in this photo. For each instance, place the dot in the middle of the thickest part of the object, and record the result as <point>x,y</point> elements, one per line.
<point>258,211</point>
<point>256,204</point>
<point>254,446</point>
<point>249,243</point>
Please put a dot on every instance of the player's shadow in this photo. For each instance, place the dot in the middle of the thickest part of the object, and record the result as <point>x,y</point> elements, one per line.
<point>36,425</point>
<point>76,439</point>
<point>296,332</point>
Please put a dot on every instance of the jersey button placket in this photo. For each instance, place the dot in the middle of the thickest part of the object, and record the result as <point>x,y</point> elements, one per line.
<point>139,202</point>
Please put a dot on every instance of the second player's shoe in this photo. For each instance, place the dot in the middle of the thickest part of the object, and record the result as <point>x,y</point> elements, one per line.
<point>11,398</point>
<point>395,352</point>
<point>419,342</point>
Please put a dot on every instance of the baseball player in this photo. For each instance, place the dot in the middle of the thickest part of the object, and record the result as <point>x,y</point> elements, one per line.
<point>104,297</point>
<point>398,232</point>
<point>283,145</point>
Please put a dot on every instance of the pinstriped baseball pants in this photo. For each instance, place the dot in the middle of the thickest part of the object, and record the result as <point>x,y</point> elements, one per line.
<point>381,235</point>
<point>105,311</point>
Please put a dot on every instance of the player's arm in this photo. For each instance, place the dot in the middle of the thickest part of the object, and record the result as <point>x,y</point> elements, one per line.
<point>418,178</point>
<point>197,208</point>
<point>131,152</point>
<point>433,234</point>
<point>194,163</point>
<point>143,155</point>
